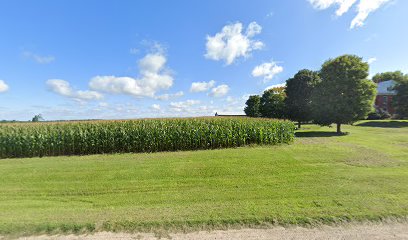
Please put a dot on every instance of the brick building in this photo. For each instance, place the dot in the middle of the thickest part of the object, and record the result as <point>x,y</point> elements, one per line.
<point>385,94</point>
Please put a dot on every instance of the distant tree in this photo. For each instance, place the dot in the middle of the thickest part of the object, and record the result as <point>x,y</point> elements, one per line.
<point>253,105</point>
<point>344,95</point>
<point>397,76</point>
<point>37,118</point>
<point>298,95</point>
<point>401,99</point>
<point>272,103</point>
<point>8,121</point>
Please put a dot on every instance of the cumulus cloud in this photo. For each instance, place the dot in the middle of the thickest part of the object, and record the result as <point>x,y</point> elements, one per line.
<point>3,86</point>
<point>246,96</point>
<point>371,60</point>
<point>253,29</point>
<point>153,78</point>
<point>344,5</point>
<point>279,85</point>
<point>103,104</point>
<point>169,96</point>
<point>231,43</point>
<point>63,88</point>
<point>220,91</point>
<point>230,99</point>
<point>267,70</point>
<point>38,58</point>
<point>155,107</point>
<point>183,106</point>
<point>364,8</point>
<point>202,86</point>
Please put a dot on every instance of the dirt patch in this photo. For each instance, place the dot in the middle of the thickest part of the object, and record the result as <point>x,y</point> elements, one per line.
<point>391,231</point>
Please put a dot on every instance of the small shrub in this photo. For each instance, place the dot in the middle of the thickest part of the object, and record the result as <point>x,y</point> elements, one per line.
<point>378,114</point>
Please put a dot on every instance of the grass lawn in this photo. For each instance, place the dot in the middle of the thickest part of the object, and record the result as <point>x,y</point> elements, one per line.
<point>321,178</point>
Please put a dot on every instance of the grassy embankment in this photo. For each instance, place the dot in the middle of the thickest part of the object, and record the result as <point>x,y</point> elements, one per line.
<point>321,178</point>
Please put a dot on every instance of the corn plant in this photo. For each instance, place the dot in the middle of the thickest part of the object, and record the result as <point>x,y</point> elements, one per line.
<point>147,135</point>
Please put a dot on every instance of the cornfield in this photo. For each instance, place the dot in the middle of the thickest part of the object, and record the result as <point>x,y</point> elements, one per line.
<point>131,136</point>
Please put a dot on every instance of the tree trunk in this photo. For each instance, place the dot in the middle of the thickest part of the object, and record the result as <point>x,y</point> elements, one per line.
<point>338,127</point>
<point>299,125</point>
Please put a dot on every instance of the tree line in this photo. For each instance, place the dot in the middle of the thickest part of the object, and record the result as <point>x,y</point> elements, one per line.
<point>339,93</point>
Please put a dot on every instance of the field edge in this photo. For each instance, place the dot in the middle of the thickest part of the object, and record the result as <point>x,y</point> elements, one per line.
<point>191,226</point>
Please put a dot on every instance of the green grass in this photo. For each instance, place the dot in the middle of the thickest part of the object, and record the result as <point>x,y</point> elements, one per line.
<point>321,178</point>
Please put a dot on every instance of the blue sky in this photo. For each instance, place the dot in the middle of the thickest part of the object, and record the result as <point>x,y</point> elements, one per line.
<point>131,59</point>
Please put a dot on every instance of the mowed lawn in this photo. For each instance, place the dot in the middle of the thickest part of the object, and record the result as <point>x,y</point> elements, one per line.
<point>320,178</point>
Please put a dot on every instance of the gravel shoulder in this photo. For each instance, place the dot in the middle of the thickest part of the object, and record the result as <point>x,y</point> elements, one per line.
<point>389,231</point>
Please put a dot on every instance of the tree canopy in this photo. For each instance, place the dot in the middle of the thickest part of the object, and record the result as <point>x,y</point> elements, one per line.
<point>401,99</point>
<point>298,95</point>
<point>253,105</point>
<point>272,103</point>
<point>37,118</point>
<point>397,76</point>
<point>344,95</point>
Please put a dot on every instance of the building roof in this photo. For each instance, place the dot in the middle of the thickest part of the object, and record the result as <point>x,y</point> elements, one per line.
<point>385,88</point>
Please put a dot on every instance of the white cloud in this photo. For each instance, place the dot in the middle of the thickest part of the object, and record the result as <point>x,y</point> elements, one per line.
<point>152,64</point>
<point>87,95</point>
<point>232,105</point>
<point>231,43</point>
<point>63,88</point>
<point>220,91</point>
<point>38,58</point>
<point>276,86</point>
<point>183,106</point>
<point>246,96</point>
<point>3,86</point>
<point>202,86</point>
<point>267,70</point>
<point>364,8</point>
<point>344,5</point>
<point>371,60</point>
<point>169,96</point>
<point>253,29</point>
<point>130,110</point>
<point>60,87</point>
<point>155,107</point>
<point>154,46</point>
<point>230,99</point>
<point>103,104</point>
<point>116,85</point>
<point>154,77</point>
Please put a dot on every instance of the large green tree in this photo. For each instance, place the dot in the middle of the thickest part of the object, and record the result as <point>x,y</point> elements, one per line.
<point>344,95</point>
<point>272,103</point>
<point>253,105</point>
<point>38,118</point>
<point>298,95</point>
<point>397,76</point>
<point>401,99</point>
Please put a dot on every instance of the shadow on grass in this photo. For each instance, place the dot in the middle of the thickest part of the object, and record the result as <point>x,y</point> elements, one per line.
<point>381,124</point>
<point>319,134</point>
